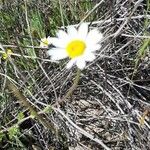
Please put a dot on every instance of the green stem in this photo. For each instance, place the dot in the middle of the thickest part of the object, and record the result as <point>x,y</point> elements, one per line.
<point>72,88</point>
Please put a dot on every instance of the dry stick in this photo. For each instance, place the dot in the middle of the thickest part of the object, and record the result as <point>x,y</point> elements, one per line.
<point>110,20</point>
<point>72,88</point>
<point>29,57</point>
<point>28,46</point>
<point>22,99</point>
<point>136,36</point>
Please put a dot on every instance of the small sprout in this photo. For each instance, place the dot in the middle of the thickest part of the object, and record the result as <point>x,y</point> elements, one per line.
<point>47,109</point>
<point>45,42</point>
<point>6,54</point>
<point>33,114</point>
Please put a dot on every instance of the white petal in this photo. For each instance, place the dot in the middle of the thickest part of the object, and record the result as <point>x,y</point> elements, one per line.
<point>57,54</point>
<point>71,63</point>
<point>62,34</point>
<point>49,39</point>
<point>83,30</point>
<point>94,36</point>
<point>58,57</point>
<point>72,32</point>
<point>81,63</point>
<point>96,47</point>
<point>61,43</point>
<point>52,51</point>
<point>91,47</point>
<point>89,57</point>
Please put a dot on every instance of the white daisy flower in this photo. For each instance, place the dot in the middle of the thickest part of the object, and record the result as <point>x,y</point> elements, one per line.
<point>45,42</point>
<point>79,45</point>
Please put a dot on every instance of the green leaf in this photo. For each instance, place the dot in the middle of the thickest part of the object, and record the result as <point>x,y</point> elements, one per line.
<point>1,136</point>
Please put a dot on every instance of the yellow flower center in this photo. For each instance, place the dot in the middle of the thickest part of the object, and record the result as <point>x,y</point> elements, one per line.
<point>75,48</point>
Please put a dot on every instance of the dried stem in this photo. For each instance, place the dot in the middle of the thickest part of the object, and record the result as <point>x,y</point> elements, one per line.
<point>23,100</point>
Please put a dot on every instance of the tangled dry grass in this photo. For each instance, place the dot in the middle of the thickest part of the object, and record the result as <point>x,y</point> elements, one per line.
<point>110,108</point>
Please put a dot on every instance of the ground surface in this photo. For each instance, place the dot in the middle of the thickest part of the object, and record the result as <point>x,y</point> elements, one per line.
<point>110,108</point>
